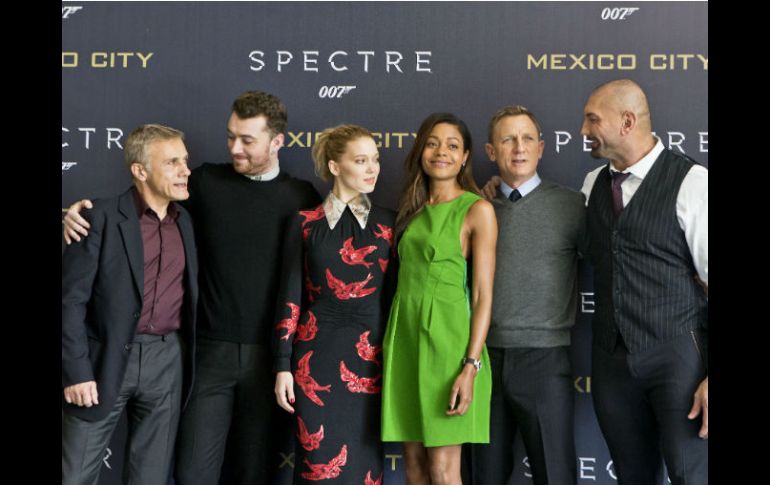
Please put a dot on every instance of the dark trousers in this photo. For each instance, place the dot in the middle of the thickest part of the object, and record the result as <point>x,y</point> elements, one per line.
<point>231,407</point>
<point>532,392</point>
<point>642,401</point>
<point>151,394</point>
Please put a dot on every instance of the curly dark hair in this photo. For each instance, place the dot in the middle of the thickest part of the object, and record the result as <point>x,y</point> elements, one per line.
<point>259,103</point>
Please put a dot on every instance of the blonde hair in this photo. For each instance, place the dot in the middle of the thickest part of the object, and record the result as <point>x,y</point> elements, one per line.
<point>331,144</point>
<point>135,150</point>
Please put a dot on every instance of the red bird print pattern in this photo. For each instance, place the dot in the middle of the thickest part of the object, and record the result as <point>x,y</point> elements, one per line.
<point>306,382</point>
<point>366,351</point>
<point>331,340</point>
<point>309,441</point>
<point>323,471</point>
<point>368,480</point>
<point>306,332</point>
<point>346,291</point>
<point>312,215</point>
<point>290,324</point>
<point>359,384</point>
<point>352,256</point>
<point>385,233</point>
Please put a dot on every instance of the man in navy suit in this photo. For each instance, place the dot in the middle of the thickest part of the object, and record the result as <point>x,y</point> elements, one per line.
<point>129,293</point>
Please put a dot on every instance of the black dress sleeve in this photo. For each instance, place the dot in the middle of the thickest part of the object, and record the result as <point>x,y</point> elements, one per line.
<point>290,297</point>
<point>390,279</point>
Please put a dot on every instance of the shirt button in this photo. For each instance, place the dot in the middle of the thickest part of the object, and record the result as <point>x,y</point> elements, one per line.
<point>127,347</point>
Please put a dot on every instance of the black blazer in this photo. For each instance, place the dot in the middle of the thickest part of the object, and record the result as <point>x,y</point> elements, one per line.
<point>102,288</point>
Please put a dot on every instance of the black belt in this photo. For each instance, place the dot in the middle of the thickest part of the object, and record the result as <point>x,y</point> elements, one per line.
<point>145,338</point>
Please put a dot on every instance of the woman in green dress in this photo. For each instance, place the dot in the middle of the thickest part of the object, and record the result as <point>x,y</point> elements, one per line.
<point>437,384</point>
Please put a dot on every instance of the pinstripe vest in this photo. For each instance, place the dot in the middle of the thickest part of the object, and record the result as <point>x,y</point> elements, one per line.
<point>643,270</point>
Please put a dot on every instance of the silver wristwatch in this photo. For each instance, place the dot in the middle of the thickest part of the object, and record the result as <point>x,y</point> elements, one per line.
<point>476,363</point>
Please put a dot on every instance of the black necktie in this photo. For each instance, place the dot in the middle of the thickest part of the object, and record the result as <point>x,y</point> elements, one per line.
<point>617,193</point>
<point>515,195</point>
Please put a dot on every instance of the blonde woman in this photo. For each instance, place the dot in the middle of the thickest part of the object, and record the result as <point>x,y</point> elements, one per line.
<point>331,316</point>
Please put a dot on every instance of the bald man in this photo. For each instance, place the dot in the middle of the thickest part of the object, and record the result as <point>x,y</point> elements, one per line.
<point>647,218</point>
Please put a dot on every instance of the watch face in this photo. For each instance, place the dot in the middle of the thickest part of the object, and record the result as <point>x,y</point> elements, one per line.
<point>474,362</point>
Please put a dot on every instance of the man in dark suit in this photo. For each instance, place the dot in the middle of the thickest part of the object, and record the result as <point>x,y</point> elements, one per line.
<point>647,219</point>
<point>128,317</point>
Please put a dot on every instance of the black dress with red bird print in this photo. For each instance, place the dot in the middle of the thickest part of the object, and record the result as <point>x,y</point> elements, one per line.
<point>337,284</point>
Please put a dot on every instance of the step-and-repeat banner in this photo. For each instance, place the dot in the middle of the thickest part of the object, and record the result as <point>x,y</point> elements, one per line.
<point>386,66</point>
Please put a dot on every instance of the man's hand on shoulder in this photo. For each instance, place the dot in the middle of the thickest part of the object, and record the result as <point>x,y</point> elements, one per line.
<point>74,223</point>
<point>489,191</point>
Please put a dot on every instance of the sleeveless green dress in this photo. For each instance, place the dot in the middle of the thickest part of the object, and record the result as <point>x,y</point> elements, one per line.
<point>428,332</point>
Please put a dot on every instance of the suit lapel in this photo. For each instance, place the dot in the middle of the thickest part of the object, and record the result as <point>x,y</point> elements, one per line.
<point>132,240</point>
